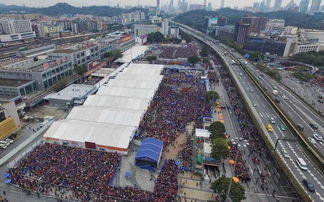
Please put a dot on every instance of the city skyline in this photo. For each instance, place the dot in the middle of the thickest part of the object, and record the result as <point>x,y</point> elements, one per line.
<point>215,3</point>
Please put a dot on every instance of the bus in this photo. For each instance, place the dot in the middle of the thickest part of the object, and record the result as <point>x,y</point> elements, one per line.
<point>301,163</point>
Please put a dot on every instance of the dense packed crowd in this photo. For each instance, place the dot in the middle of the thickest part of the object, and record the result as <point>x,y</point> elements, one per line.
<point>185,155</point>
<point>212,76</point>
<point>73,168</point>
<point>167,183</point>
<point>180,100</point>
<point>173,52</point>
<point>75,173</point>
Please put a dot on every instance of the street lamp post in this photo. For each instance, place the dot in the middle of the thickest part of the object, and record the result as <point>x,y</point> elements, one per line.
<point>233,173</point>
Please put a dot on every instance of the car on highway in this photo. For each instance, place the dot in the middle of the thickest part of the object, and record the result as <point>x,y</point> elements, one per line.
<point>310,187</point>
<point>277,100</point>
<point>272,120</point>
<point>318,137</point>
<point>284,97</point>
<point>282,127</point>
<point>312,140</point>
<point>254,104</point>
<point>269,127</point>
<point>274,87</point>
<point>320,101</point>
<point>300,127</point>
<point>301,164</point>
<point>314,126</point>
<point>251,90</point>
<point>285,154</point>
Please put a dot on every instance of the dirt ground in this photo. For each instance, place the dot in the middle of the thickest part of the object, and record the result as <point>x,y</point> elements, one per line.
<point>44,110</point>
<point>172,150</point>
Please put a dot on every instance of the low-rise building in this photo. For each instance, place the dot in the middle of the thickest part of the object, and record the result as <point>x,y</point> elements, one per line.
<point>44,72</point>
<point>74,94</point>
<point>141,30</point>
<point>9,119</point>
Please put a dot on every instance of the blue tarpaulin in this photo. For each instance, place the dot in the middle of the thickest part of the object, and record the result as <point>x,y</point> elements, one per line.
<point>128,174</point>
<point>7,181</point>
<point>5,175</point>
<point>149,153</point>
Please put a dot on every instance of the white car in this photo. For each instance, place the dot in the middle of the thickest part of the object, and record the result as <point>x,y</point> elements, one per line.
<point>272,120</point>
<point>3,146</point>
<point>9,141</point>
<point>4,143</point>
<point>284,97</point>
<point>318,137</point>
<point>285,154</point>
<point>312,140</point>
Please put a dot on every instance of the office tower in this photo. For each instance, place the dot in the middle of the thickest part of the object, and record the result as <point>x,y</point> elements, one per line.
<point>268,4</point>
<point>277,4</point>
<point>303,6</point>
<point>240,32</point>
<point>315,6</point>
<point>157,4</point>
<point>222,4</point>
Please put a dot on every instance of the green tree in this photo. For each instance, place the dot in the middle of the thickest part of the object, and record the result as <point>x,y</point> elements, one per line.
<point>206,61</point>
<point>193,59</point>
<point>116,53</point>
<point>80,69</point>
<point>273,73</point>
<point>204,51</point>
<point>220,186</point>
<point>151,58</point>
<point>212,96</point>
<point>219,149</point>
<point>156,37</point>
<point>217,130</point>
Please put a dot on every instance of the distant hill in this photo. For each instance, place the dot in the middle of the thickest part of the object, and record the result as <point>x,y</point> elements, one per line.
<point>198,18</point>
<point>64,8</point>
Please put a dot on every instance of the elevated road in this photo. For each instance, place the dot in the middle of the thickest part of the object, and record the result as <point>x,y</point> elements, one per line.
<point>263,111</point>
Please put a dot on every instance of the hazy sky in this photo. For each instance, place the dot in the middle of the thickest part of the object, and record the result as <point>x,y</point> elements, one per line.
<point>215,3</point>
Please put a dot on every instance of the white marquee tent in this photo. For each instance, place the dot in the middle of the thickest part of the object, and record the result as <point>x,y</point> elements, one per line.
<point>106,115</point>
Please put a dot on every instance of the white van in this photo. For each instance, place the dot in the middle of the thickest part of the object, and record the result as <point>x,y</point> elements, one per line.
<point>301,163</point>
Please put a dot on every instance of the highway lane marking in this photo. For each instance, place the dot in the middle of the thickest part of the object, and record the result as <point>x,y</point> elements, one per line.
<point>322,199</point>
<point>281,131</point>
<point>261,114</point>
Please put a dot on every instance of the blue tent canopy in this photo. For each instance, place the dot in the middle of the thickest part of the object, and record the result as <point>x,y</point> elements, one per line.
<point>149,153</point>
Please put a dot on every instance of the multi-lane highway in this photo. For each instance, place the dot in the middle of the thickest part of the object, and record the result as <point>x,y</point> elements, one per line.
<point>296,109</point>
<point>263,112</point>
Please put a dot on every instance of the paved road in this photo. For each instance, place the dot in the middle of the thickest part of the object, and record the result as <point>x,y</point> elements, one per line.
<point>296,109</point>
<point>254,189</point>
<point>308,92</point>
<point>264,111</point>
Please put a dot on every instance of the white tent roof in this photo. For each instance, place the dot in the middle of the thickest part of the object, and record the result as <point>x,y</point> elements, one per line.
<point>127,92</point>
<point>84,131</point>
<point>106,115</point>
<point>132,53</point>
<point>202,133</point>
<point>133,84</point>
<point>117,102</point>
<point>144,76</point>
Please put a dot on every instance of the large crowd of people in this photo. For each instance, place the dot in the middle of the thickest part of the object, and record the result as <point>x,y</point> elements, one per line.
<point>186,154</point>
<point>180,100</point>
<point>79,174</point>
<point>183,51</point>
